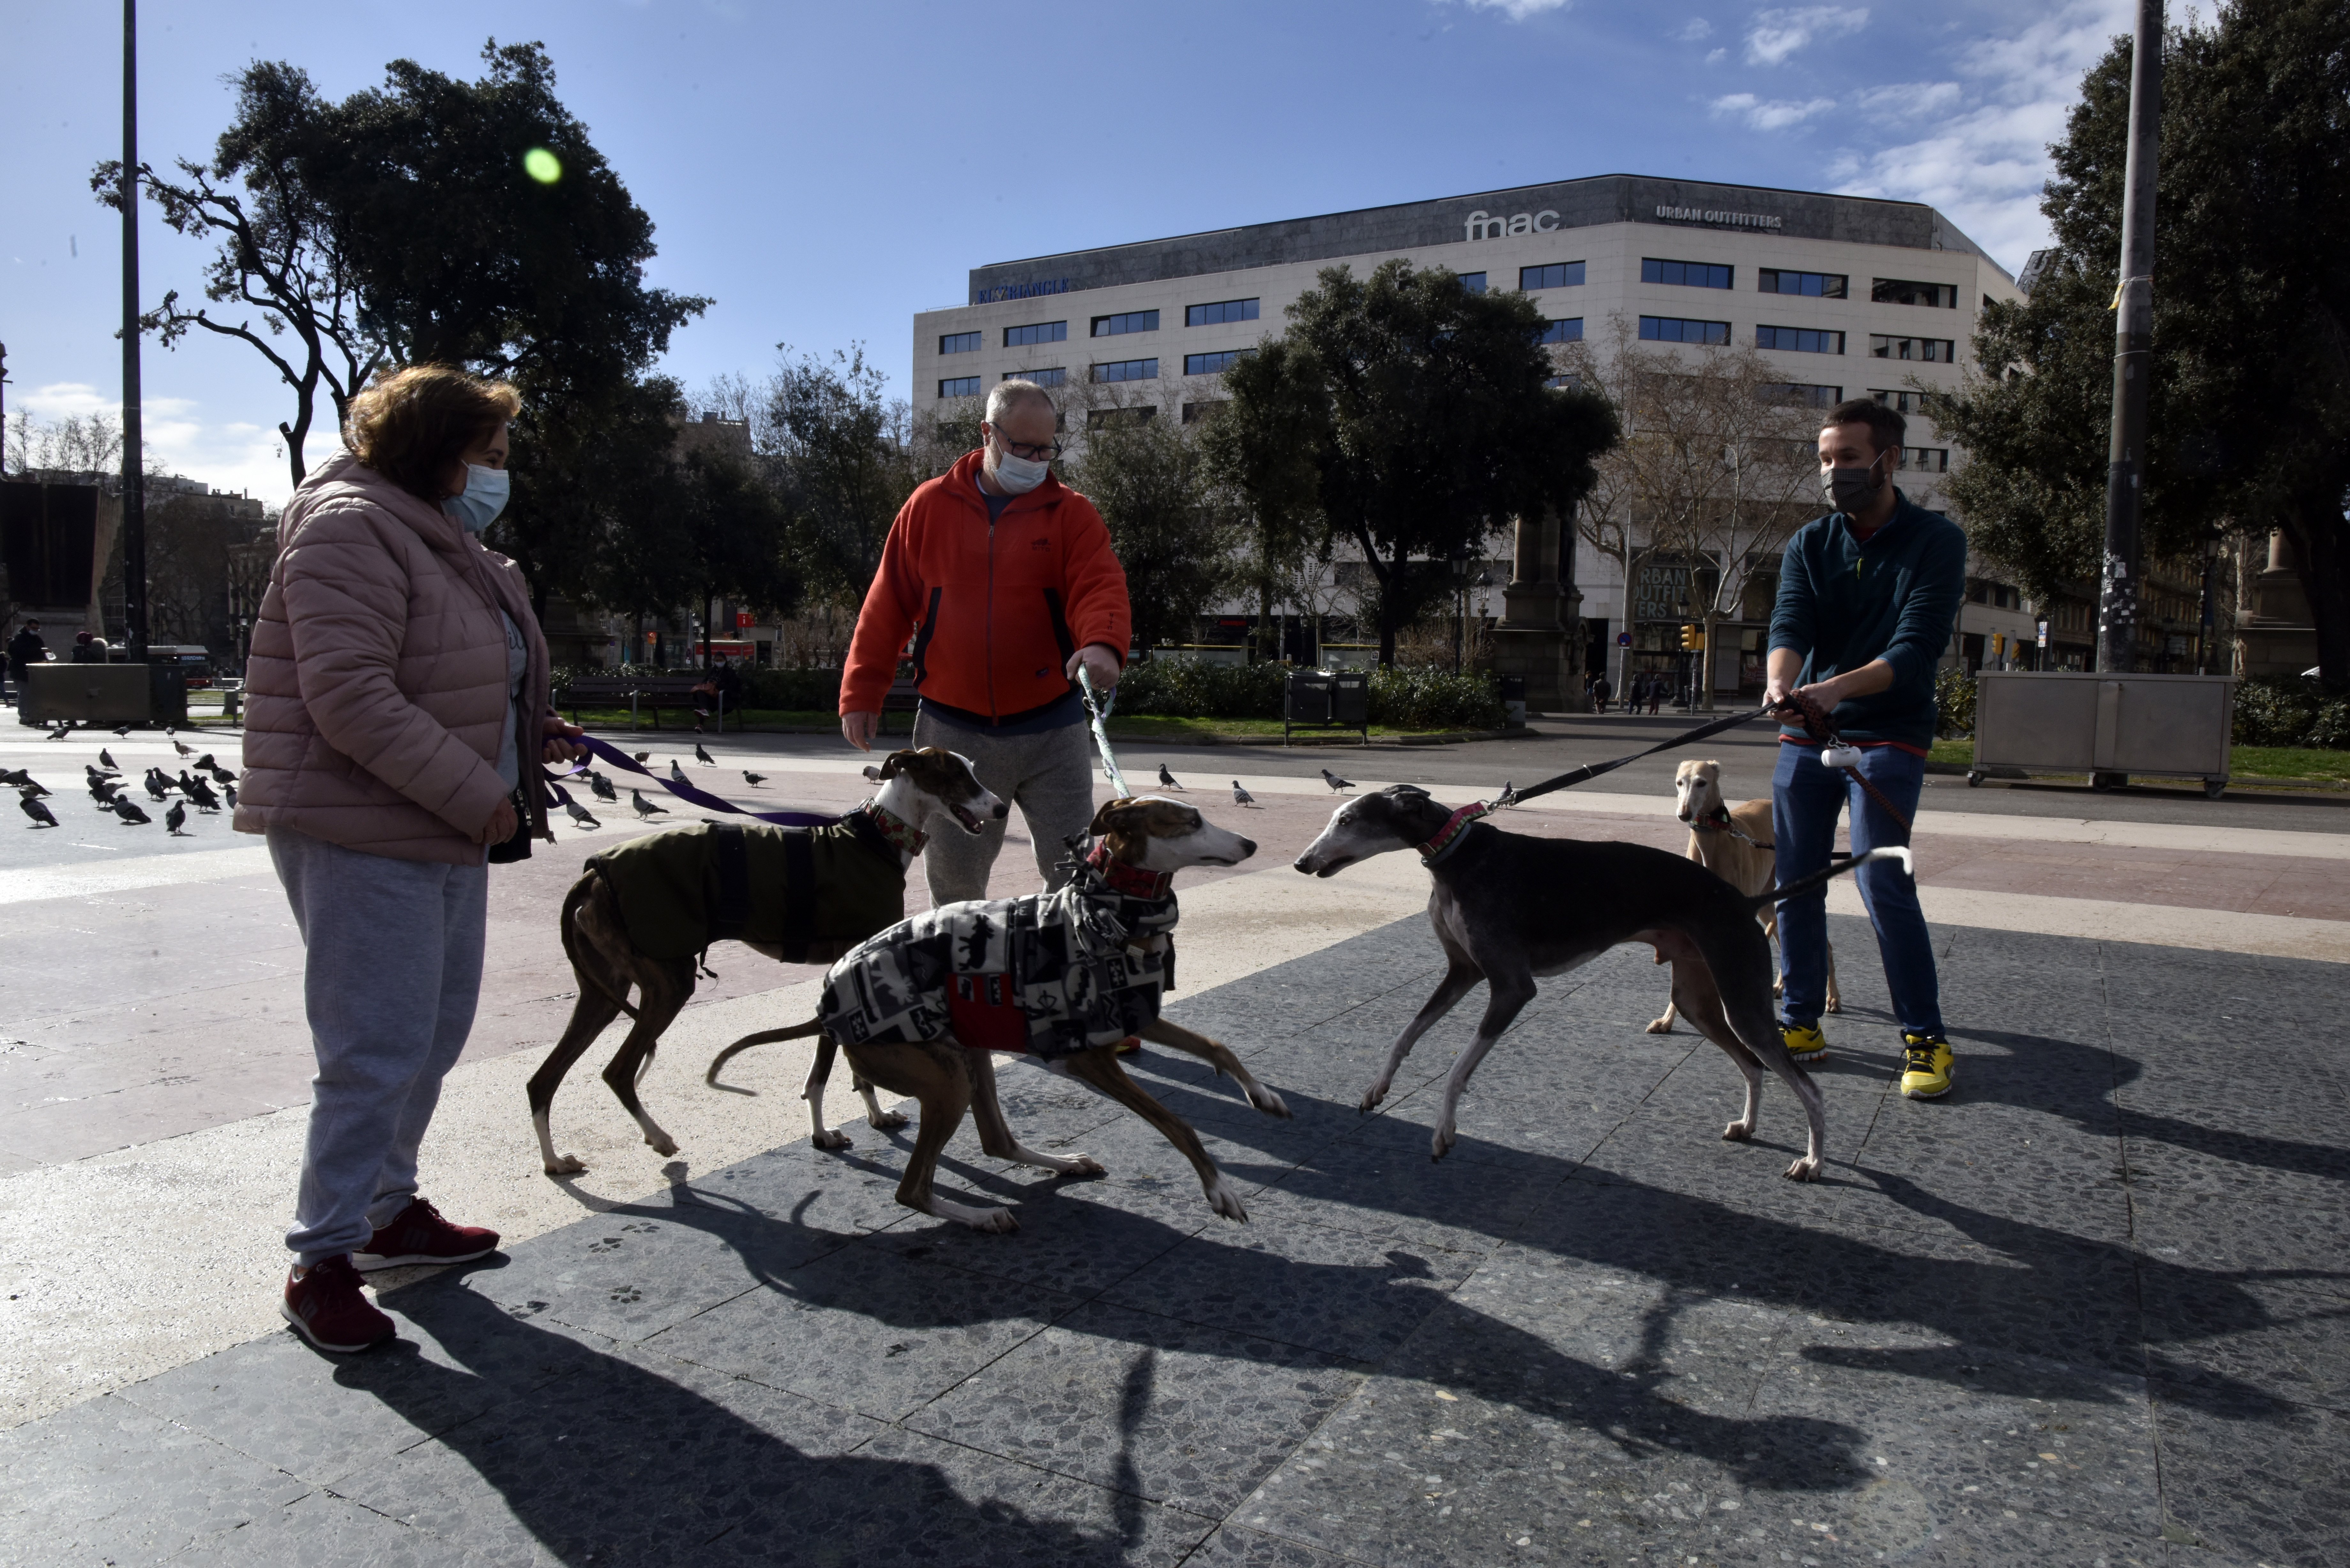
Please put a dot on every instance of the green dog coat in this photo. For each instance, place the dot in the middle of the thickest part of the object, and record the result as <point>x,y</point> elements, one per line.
<point>813,891</point>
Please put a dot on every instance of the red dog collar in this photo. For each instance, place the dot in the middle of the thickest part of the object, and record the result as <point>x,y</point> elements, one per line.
<point>1449,834</point>
<point>900,835</point>
<point>1132,880</point>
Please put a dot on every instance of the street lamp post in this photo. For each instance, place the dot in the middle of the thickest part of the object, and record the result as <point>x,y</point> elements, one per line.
<point>134,488</point>
<point>2117,591</point>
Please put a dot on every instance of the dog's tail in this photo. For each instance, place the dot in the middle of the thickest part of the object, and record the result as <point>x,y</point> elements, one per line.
<point>586,973</point>
<point>764,1037</point>
<point>1837,868</point>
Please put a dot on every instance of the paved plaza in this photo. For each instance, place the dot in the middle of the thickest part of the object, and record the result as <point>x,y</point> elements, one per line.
<point>2089,1310</point>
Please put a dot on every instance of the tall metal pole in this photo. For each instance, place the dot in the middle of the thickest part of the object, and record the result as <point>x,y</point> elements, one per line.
<point>134,486</point>
<point>2117,589</point>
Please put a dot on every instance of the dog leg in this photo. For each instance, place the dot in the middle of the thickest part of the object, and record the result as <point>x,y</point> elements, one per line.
<point>934,1076</point>
<point>1836,999</point>
<point>1700,999</point>
<point>1100,1070</point>
<point>1164,1032</point>
<point>658,1008</point>
<point>875,1116</point>
<point>819,1071</point>
<point>1510,995</point>
<point>996,1135</point>
<point>1456,984</point>
<point>589,1015</point>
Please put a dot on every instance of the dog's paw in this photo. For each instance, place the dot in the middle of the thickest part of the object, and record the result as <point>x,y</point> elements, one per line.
<point>1805,1170</point>
<point>567,1165</point>
<point>1737,1132</point>
<point>1268,1102</point>
<point>831,1137</point>
<point>1836,1004</point>
<point>994,1222</point>
<point>888,1121</point>
<point>1085,1165</point>
<point>1661,1026</point>
<point>1225,1201</point>
<point>664,1144</point>
<point>1442,1143</point>
<point>1373,1096</point>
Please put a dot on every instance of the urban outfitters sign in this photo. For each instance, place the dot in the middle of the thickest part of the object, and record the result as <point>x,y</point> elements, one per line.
<point>1722,219</point>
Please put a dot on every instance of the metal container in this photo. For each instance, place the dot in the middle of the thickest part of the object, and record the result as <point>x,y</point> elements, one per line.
<point>2108,726</point>
<point>1316,697</point>
<point>1514,701</point>
<point>103,694</point>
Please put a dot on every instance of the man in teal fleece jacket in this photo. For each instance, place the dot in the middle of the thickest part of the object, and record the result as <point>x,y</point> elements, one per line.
<point>1867,596</point>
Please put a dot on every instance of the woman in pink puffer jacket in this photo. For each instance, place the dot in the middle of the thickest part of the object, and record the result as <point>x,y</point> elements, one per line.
<point>397,702</point>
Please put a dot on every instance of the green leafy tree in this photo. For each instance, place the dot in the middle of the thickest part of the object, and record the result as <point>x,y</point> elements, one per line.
<point>1146,479</point>
<point>1421,412</point>
<point>2249,402</point>
<point>716,529</point>
<point>588,474</point>
<point>841,452</point>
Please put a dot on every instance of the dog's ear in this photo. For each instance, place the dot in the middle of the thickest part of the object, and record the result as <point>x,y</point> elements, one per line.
<point>1119,815</point>
<point>893,764</point>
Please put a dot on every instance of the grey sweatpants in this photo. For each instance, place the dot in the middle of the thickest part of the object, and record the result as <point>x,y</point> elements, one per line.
<point>393,972</point>
<point>1050,776</point>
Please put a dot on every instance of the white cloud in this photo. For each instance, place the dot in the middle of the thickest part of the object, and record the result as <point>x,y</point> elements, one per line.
<point>1772,35</point>
<point>1695,30</point>
<point>1518,10</point>
<point>1984,163</point>
<point>1771,114</point>
<point>1909,101</point>
<point>233,454</point>
<point>1717,57</point>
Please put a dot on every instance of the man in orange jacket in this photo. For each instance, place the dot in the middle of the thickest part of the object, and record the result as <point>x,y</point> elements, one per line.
<point>1005,578</point>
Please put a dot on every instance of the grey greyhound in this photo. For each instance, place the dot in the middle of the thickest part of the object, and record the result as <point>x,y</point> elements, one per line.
<point>1508,908</point>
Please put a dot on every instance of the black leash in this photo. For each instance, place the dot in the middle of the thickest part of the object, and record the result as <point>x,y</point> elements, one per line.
<point>1593,770</point>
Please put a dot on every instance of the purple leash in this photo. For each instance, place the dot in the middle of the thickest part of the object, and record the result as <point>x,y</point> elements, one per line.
<point>685,792</point>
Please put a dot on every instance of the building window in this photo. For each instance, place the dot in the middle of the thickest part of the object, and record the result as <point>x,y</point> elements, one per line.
<point>1902,291</point>
<point>1567,331</point>
<point>1689,275</point>
<point>1214,315</point>
<point>1058,376</point>
<point>1128,370</point>
<point>1559,275</point>
<point>1674,329</point>
<point>1900,402</point>
<point>1568,383</point>
<point>1800,394</point>
<point>1140,414</point>
<point>1040,332</point>
<point>1927,459</point>
<point>1132,321</point>
<point>1818,285</point>
<point>1194,412</point>
<point>1474,282</point>
<point>961,343</point>
<point>959,386</point>
<point>1799,339</point>
<point>1933,350</point>
<point>1214,364</point>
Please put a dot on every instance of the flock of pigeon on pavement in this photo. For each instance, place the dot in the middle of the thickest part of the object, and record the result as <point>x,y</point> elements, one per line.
<point>106,788</point>
<point>105,781</point>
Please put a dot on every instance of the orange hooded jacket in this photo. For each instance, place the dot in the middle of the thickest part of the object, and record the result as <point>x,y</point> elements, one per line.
<point>994,610</point>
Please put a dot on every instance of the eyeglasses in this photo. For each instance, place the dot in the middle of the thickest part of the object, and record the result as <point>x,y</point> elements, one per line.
<point>1048,452</point>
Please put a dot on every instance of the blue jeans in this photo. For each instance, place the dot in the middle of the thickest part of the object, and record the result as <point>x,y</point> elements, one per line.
<point>1806,798</point>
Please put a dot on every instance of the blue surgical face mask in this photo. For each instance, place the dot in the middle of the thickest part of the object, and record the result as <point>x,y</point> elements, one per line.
<point>1018,475</point>
<point>485,496</point>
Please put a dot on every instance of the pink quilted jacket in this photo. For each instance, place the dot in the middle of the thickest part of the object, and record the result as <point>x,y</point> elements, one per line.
<point>376,692</point>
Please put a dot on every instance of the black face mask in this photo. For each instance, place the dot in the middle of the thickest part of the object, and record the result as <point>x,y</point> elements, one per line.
<point>1849,490</point>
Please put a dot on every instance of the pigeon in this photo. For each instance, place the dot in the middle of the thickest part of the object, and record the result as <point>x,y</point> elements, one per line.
<point>170,729</point>
<point>65,728</point>
<point>220,775</point>
<point>645,807</point>
<point>701,756</point>
<point>33,808</point>
<point>15,778</point>
<point>1338,785</point>
<point>156,788</point>
<point>98,773</point>
<point>678,772</point>
<point>1242,797</point>
<point>122,731</point>
<point>176,819</point>
<point>185,751</point>
<point>28,784</point>
<point>206,764</point>
<point>579,813</point>
<point>188,782</point>
<point>754,780</point>
<point>642,756</point>
<point>129,812</point>
<point>603,787</point>
<point>229,791</point>
<point>102,790</point>
<point>106,760</point>
<point>202,793</point>
<point>1166,778</point>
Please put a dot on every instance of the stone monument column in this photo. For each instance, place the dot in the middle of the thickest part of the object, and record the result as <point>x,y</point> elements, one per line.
<point>1538,635</point>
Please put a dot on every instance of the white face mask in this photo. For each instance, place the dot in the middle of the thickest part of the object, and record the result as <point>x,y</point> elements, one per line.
<point>486,490</point>
<point>1017,475</point>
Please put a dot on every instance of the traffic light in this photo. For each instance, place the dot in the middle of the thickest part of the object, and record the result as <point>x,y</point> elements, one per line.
<point>1697,639</point>
<point>1689,637</point>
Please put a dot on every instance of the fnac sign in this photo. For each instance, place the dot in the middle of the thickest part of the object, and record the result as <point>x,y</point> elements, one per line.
<point>1482,225</point>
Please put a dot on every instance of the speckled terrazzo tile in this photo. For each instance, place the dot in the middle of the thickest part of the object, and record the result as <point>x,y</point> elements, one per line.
<point>2262,1480</point>
<point>633,1272</point>
<point>1079,1239</point>
<point>2250,1168</point>
<point>1235,1547</point>
<point>843,1192</point>
<point>2206,1100</point>
<point>1682,1150</point>
<point>322,1531</point>
<point>1174,1412</point>
<point>2216,1234</point>
<point>1976,1430</point>
<point>867,1330</point>
<point>918,1502</point>
<point>2248,1338</point>
<point>629,1458</point>
<point>1326,1289</point>
<point>1384,1189</point>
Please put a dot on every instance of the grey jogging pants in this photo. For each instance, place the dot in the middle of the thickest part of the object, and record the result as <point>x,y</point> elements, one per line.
<point>393,970</point>
<point>1049,775</point>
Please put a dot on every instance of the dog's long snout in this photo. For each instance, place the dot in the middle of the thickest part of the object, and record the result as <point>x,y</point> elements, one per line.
<point>1303,862</point>
<point>1248,847</point>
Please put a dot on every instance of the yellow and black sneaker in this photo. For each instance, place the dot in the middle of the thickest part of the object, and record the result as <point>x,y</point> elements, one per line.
<point>1927,1065</point>
<point>1804,1042</point>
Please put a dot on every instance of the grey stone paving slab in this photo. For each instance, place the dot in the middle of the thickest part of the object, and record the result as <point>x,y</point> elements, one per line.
<point>866,1329</point>
<point>2271,1337</point>
<point>2258,1479</point>
<point>1384,1189</point>
<point>2207,1231</point>
<point>1171,1411</point>
<point>1234,1547</point>
<point>325,1529</point>
<point>1080,1239</point>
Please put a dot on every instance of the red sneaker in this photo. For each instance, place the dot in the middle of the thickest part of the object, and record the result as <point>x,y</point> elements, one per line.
<point>420,1236</point>
<point>326,1307</point>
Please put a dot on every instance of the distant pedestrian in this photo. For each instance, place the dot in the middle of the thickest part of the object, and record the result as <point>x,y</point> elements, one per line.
<point>1600,693</point>
<point>397,698</point>
<point>25,650</point>
<point>729,694</point>
<point>1656,692</point>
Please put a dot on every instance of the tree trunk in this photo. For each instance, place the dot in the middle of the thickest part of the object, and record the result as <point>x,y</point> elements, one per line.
<point>707,595</point>
<point>2321,554</point>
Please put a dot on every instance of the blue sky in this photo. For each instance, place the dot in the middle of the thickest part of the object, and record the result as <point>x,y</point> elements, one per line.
<point>825,171</point>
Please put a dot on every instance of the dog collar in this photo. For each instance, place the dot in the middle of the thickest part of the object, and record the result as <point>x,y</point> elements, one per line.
<point>1448,837</point>
<point>1714,821</point>
<point>1132,880</point>
<point>900,836</point>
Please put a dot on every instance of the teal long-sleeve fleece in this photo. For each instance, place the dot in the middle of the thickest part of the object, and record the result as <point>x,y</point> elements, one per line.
<point>1844,601</point>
